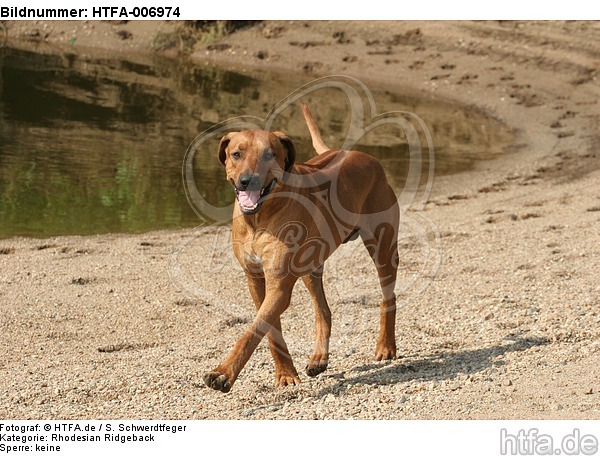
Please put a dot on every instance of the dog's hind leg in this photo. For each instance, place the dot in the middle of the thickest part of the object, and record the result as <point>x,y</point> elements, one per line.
<point>320,357</point>
<point>382,244</point>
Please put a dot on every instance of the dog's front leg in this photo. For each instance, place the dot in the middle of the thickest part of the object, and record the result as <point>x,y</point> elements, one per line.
<point>320,357</point>
<point>285,372</point>
<point>277,299</point>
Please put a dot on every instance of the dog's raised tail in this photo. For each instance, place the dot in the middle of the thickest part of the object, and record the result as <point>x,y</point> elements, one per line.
<point>315,134</point>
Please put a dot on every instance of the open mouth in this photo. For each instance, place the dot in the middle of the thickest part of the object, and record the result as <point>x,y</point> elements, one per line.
<point>251,200</point>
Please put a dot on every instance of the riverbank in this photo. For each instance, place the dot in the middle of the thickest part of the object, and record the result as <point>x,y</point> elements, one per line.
<point>499,307</point>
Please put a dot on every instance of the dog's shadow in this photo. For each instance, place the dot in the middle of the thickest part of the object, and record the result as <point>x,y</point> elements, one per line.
<point>438,367</point>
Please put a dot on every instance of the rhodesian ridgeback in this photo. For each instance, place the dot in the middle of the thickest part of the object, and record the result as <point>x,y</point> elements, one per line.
<point>289,218</point>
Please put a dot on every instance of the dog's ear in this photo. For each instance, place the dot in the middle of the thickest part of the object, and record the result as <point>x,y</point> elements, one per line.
<point>291,150</point>
<point>223,145</point>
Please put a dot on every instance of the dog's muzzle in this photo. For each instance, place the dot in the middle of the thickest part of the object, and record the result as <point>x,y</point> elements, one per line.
<point>250,199</point>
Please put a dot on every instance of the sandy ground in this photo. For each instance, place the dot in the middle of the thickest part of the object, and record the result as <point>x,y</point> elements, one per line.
<point>499,307</point>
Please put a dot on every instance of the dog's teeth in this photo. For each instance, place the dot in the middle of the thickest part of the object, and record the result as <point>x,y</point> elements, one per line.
<point>250,208</point>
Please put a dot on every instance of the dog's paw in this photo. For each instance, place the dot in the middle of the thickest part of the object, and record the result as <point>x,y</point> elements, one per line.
<point>286,379</point>
<point>385,352</point>
<point>218,381</point>
<point>315,367</point>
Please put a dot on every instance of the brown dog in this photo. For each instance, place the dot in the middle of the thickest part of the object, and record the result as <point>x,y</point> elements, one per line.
<point>289,219</point>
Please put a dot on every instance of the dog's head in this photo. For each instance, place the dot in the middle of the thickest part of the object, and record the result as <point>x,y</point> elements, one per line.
<point>255,160</point>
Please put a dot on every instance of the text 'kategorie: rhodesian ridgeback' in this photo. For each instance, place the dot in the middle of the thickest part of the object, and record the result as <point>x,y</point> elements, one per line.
<point>289,219</point>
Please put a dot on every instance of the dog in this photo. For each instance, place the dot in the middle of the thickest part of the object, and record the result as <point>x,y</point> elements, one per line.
<point>289,218</point>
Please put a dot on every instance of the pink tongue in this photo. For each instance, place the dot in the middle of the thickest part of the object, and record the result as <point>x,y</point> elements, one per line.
<point>249,198</point>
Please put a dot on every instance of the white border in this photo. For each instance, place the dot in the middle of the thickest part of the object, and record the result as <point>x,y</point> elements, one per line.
<point>371,10</point>
<point>248,438</point>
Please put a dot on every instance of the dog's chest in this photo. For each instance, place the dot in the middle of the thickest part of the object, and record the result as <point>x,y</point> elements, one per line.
<point>279,247</point>
<point>251,249</point>
<point>253,259</point>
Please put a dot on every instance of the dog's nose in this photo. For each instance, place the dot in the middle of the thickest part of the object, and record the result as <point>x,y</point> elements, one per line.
<point>249,182</point>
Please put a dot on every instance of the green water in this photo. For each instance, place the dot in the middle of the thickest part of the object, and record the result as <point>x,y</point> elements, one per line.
<point>91,146</point>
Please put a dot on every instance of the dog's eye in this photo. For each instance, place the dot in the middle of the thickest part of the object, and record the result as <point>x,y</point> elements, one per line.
<point>268,156</point>
<point>236,155</point>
